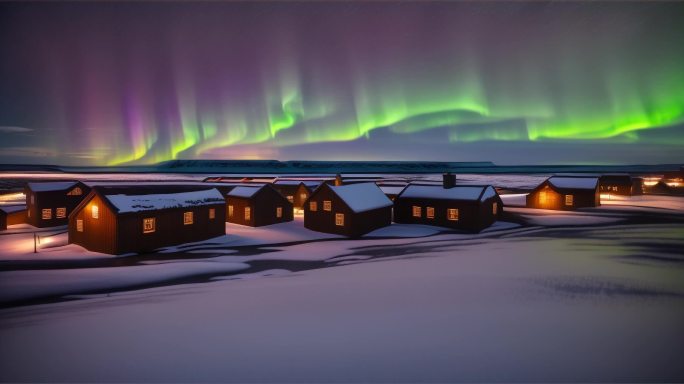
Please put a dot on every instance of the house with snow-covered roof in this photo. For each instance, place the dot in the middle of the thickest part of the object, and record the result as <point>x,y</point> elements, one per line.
<point>257,206</point>
<point>49,204</point>
<point>448,205</point>
<point>116,221</point>
<point>296,191</point>
<point>350,210</point>
<point>11,215</point>
<point>565,193</point>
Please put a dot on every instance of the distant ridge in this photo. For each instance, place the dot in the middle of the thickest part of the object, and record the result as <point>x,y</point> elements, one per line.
<point>333,167</point>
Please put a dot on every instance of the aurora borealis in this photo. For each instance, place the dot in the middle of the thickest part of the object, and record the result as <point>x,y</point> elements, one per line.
<point>136,83</point>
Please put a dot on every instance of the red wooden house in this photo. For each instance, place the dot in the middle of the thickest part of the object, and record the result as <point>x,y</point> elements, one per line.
<point>12,214</point>
<point>565,193</point>
<point>257,206</point>
<point>49,204</point>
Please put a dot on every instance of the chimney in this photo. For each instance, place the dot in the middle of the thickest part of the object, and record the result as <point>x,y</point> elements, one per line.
<point>448,180</point>
<point>338,180</point>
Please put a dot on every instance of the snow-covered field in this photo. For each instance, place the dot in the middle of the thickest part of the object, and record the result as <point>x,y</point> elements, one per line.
<point>591,295</point>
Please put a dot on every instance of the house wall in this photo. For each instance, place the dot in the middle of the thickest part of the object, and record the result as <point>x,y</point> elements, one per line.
<point>99,235</point>
<point>17,217</point>
<point>298,200</point>
<point>582,198</point>
<point>616,185</point>
<point>472,215</point>
<point>3,221</point>
<point>239,205</point>
<point>265,203</point>
<point>52,200</point>
<point>169,228</point>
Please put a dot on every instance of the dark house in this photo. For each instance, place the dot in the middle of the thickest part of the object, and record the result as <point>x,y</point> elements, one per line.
<point>565,193</point>
<point>295,191</point>
<point>257,206</point>
<point>49,204</point>
<point>471,208</point>
<point>392,191</point>
<point>115,223</point>
<point>350,210</point>
<point>637,185</point>
<point>616,184</point>
<point>12,214</point>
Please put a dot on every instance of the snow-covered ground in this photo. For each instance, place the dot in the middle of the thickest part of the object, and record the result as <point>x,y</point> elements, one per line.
<point>591,295</point>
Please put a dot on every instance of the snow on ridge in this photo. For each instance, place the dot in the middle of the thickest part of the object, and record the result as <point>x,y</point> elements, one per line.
<point>455,193</point>
<point>136,203</point>
<point>362,196</point>
<point>574,182</point>
<point>243,191</point>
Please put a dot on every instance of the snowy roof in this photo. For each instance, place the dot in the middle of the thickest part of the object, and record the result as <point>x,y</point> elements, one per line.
<point>137,203</point>
<point>51,186</point>
<point>12,208</point>
<point>308,183</point>
<point>391,189</point>
<point>362,196</point>
<point>574,182</point>
<point>243,191</point>
<point>455,193</point>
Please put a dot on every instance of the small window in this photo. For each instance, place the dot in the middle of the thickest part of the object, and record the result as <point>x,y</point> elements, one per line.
<point>569,200</point>
<point>313,206</point>
<point>302,196</point>
<point>248,213</point>
<point>290,198</point>
<point>327,205</point>
<point>46,214</point>
<point>212,213</point>
<point>230,211</point>
<point>339,219</point>
<point>75,192</point>
<point>417,211</point>
<point>188,218</point>
<point>95,211</point>
<point>430,212</point>
<point>60,213</point>
<point>452,214</point>
<point>149,225</point>
<point>279,212</point>
<point>543,197</point>
<point>495,208</point>
<point>79,225</point>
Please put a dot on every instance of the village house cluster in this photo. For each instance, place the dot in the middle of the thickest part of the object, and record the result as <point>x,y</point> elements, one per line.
<point>119,219</point>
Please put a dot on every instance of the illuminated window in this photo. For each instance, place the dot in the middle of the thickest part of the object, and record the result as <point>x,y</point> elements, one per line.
<point>327,205</point>
<point>187,218</point>
<point>452,214</point>
<point>339,219</point>
<point>248,213</point>
<point>212,213</point>
<point>149,225</point>
<point>33,199</point>
<point>230,211</point>
<point>416,211</point>
<point>95,211</point>
<point>60,213</point>
<point>79,225</point>
<point>313,206</point>
<point>302,196</point>
<point>290,198</point>
<point>279,212</point>
<point>430,212</point>
<point>46,214</point>
<point>569,200</point>
<point>543,197</point>
<point>495,207</point>
<point>75,192</point>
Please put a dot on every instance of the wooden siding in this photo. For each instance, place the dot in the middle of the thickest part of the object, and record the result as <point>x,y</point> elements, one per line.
<point>52,200</point>
<point>473,215</point>
<point>555,199</point>
<point>99,235</point>
<point>263,205</point>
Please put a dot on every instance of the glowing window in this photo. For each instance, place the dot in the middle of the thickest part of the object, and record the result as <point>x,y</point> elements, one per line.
<point>339,219</point>
<point>543,197</point>
<point>569,199</point>
<point>46,214</point>
<point>75,192</point>
<point>79,225</point>
<point>149,225</point>
<point>313,206</point>
<point>187,218</point>
<point>212,213</point>
<point>60,213</point>
<point>95,211</point>
<point>495,208</point>
<point>302,196</point>
<point>279,212</point>
<point>230,211</point>
<point>248,213</point>
<point>416,211</point>
<point>327,205</point>
<point>290,198</point>
<point>452,214</point>
<point>430,212</point>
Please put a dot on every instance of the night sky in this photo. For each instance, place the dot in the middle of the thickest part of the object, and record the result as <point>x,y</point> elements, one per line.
<point>510,82</point>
